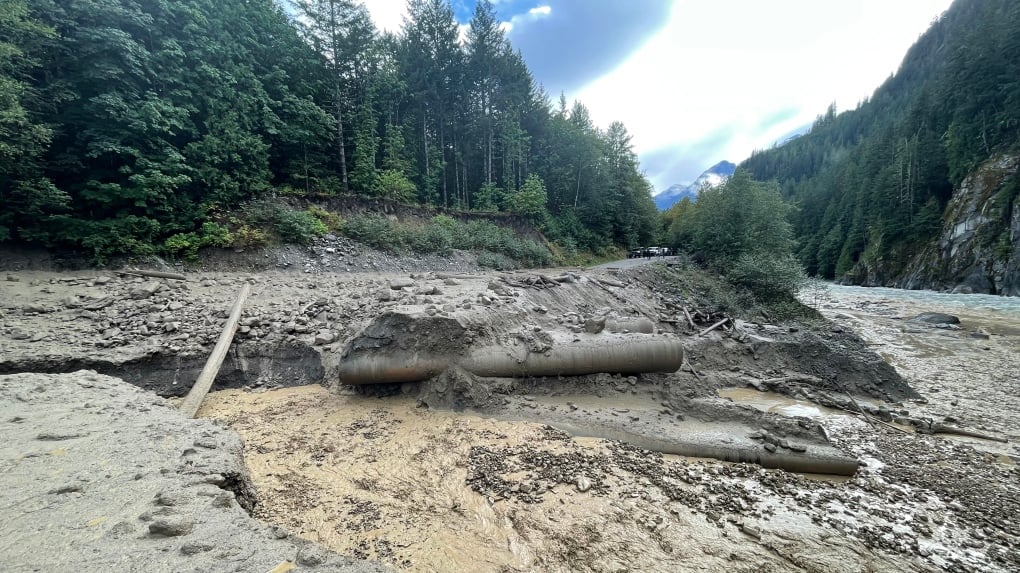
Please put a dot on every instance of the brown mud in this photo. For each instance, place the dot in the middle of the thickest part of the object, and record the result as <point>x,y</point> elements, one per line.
<point>460,473</point>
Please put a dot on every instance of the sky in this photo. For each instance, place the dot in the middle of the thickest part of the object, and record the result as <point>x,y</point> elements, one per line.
<point>700,81</point>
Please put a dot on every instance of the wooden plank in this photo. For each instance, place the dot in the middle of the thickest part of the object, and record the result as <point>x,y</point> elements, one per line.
<point>193,401</point>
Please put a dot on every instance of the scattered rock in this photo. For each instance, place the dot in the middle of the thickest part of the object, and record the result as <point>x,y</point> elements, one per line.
<point>145,290</point>
<point>312,555</point>
<point>582,483</point>
<point>400,283</point>
<point>324,337</point>
<point>750,531</point>
<point>935,318</point>
<point>171,526</point>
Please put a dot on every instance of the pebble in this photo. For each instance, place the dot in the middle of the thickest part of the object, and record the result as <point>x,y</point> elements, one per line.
<point>582,483</point>
<point>171,526</point>
<point>751,531</point>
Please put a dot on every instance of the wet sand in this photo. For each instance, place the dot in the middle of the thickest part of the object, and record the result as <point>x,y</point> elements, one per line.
<point>383,479</point>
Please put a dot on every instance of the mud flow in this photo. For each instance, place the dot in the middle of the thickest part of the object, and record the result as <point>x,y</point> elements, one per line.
<point>572,420</point>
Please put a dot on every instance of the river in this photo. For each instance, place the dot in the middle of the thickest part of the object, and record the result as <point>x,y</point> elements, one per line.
<point>970,373</point>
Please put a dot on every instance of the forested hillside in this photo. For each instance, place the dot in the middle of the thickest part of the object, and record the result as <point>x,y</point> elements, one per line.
<point>126,123</point>
<point>871,185</point>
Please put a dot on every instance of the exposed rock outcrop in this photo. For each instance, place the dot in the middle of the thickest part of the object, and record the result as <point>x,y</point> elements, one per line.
<point>978,250</point>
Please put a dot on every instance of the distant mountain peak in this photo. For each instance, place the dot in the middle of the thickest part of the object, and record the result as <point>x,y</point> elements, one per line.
<point>713,177</point>
<point>724,168</point>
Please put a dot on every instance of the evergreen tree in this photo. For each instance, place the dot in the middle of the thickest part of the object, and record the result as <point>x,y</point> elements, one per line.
<point>28,196</point>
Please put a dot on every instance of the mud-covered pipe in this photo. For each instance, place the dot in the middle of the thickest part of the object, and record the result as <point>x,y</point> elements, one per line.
<point>808,462</point>
<point>386,369</point>
<point>614,356</point>
<point>803,462</point>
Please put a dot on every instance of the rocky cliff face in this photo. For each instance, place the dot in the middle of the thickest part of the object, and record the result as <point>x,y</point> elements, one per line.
<point>979,247</point>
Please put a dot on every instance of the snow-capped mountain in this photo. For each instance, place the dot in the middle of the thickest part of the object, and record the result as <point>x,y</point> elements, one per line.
<point>713,176</point>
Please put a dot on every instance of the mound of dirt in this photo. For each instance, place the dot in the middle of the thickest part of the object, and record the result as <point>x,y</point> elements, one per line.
<point>131,486</point>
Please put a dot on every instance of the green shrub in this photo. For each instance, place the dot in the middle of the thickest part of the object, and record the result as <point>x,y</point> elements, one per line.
<point>183,245</point>
<point>444,233</point>
<point>186,245</point>
<point>330,219</point>
<point>393,184</point>
<point>447,222</point>
<point>530,200</point>
<point>432,238</point>
<point>261,212</point>
<point>249,237</point>
<point>373,230</point>
<point>299,227</point>
<point>127,235</point>
<point>491,260</point>
<point>216,235</point>
<point>769,277</point>
<point>488,198</point>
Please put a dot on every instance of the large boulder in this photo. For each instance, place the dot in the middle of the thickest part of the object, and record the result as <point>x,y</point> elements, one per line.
<point>935,318</point>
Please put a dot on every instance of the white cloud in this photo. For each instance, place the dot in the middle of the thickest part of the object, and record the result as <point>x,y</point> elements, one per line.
<point>536,13</point>
<point>733,63</point>
<point>388,15</point>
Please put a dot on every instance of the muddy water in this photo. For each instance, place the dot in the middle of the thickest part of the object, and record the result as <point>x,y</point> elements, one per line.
<point>974,380</point>
<point>375,478</point>
<point>385,480</point>
<point>779,404</point>
<point>382,479</point>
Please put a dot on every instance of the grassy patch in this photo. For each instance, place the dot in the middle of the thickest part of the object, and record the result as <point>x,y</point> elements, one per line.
<point>500,246</point>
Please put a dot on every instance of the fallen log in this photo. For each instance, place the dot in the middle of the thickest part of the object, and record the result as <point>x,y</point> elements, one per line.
<point>630,324</point>
<point>714,326</point>
<point>611,282</point>
<point>806,378</point>
<point>953,430</point>
<point>154,274</point>
<point>189,407</point>
<point>688,315</point>
<point>867,418</point>
<point>548,280</point>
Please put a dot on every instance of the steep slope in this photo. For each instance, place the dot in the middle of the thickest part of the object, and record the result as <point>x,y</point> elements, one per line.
<point>713,177</point>
<point>873,184</point>
<point>978,249</point>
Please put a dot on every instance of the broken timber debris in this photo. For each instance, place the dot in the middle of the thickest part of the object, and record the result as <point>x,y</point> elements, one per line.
<point>154,274</point>
<point>193,401</point>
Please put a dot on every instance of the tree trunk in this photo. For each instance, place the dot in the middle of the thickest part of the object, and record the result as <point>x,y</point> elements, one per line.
<point>442,147</point>
<point>334,34</point>
<point>577,192</point>
<point>340,139</point>
<point>425,147</point>
<point>467,194</point>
